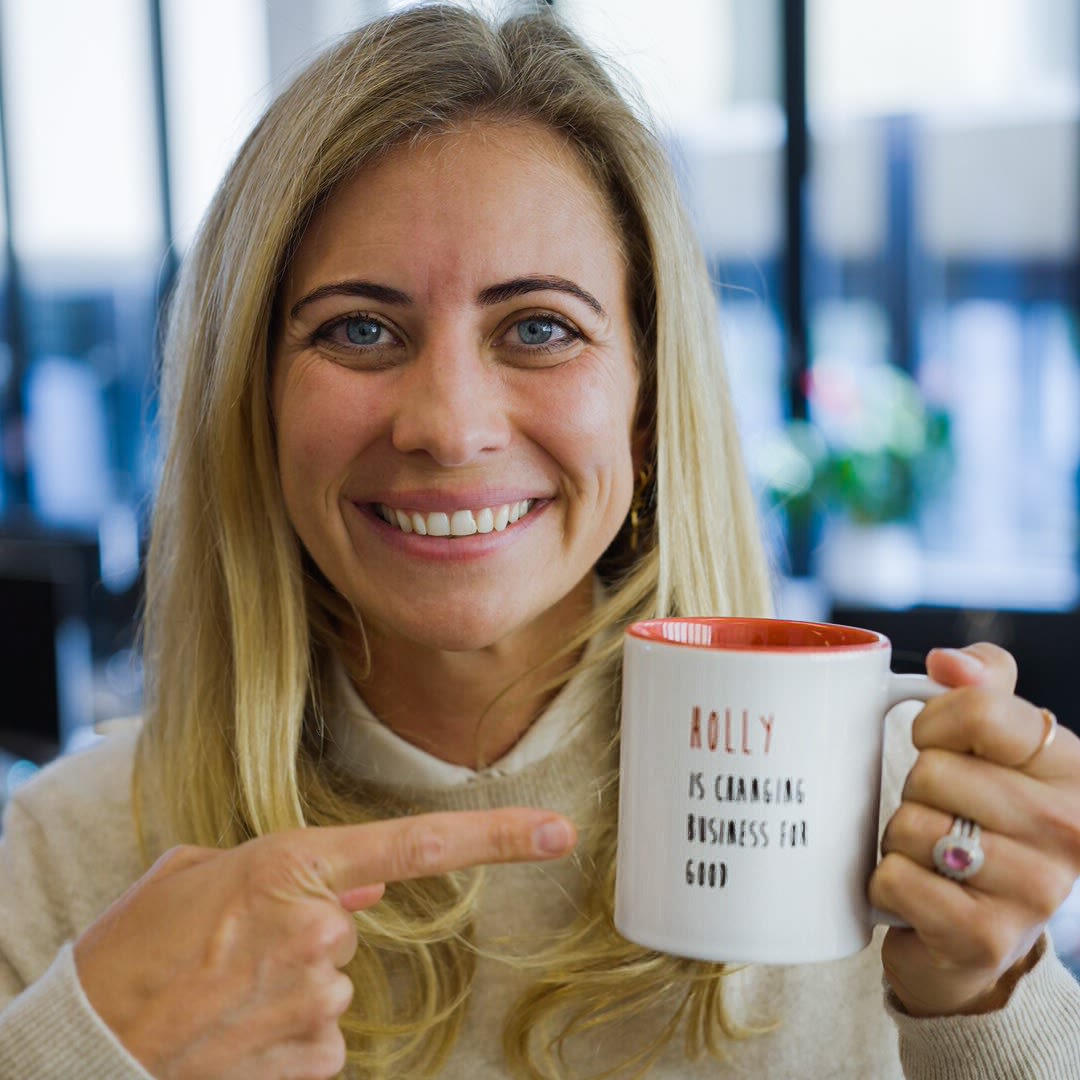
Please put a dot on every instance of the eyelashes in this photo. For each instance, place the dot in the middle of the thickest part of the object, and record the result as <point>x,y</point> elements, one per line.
<point>331,333</point>
<point>544,325</point>
<point>537,334</point>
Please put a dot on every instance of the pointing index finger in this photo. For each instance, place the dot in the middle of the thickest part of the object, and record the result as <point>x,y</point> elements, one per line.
<point>424,845</point>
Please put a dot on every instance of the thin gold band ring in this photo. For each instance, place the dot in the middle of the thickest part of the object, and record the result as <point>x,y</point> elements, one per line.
<point>1049,731</point>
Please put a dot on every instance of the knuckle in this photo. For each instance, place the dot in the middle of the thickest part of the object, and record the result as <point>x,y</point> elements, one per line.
<point>977,705</point>
<point>347,936</point>
<point>927,774</point>
<point>265,875</point>
<point>504,839</point>
<point>282,865</point>
<point>180,858</point>
<point>328,1000</point>
<point>342,995</point>
<point>907,827</point>
<point>263,854</point>
<point>324,933</point>
<point>326,1054</point>
<point>999,658</point>
<point>422,848</point>
<point>341,937</point>
<point>316,1002</point>
<point>1048,894</point>
<point>1040,889</point>
<point>978,716</point>
<point>1060,822</point>
<point>887,880</point>
<point>987,945</point>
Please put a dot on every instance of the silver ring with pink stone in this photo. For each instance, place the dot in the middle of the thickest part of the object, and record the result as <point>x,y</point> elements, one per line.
<point>958,854</point>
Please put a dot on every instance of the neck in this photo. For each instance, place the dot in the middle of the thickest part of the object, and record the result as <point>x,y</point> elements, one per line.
<point>469,708</point>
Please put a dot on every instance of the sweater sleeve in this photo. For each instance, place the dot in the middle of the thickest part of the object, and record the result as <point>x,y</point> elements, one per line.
<point>48,1028</point>
<point>51,1032</point>
<point>1036,1036</point>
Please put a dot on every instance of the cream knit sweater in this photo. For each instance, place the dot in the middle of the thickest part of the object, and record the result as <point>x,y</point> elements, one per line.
<point>69,850</point>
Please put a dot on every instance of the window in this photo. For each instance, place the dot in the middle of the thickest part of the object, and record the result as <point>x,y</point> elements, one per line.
<point>943,242</point>
<point>900,322</point>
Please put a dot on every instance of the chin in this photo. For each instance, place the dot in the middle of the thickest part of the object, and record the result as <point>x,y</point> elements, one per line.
<point>460,624</point>
<point>460,616</point>
<point>467,633</point>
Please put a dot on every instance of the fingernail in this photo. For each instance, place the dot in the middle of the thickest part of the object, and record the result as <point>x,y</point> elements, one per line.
<point>966,660</point>
<point>553,837</point>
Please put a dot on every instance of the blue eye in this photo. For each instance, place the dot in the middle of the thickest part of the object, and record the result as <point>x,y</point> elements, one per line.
<point>535,331</point>
<point>360,331</point>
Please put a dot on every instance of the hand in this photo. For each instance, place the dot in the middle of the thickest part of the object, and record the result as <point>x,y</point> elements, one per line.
<point>970,941</point>
<point>225,963</point>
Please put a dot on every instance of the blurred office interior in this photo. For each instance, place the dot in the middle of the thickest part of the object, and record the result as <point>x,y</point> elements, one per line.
<point>887,195</point>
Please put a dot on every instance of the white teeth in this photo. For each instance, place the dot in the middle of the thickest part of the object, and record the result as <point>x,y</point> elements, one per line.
<point>438,524</point>
<point>460,522</point>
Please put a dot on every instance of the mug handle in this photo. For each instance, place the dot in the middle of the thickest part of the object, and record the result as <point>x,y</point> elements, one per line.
<point>904,688</point>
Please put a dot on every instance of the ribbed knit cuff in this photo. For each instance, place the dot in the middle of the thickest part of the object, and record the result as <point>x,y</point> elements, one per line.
<point>51,1032</point>
<point>1036,1036</point>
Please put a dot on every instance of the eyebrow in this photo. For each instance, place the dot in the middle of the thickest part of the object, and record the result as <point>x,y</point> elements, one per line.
<point>496,294</point>
<point>383,294</point>
<point>493,294</point>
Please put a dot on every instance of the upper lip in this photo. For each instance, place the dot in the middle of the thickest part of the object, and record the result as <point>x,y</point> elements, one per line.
<point>429,502</point>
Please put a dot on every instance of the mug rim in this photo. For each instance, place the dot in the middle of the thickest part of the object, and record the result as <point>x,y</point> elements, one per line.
<point>772,635</point>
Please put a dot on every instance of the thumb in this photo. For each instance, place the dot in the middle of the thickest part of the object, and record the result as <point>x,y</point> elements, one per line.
<point>361,897</point>
<point>981,664</point>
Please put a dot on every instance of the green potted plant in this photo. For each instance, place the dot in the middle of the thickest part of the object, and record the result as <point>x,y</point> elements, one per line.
<point>860,468</point>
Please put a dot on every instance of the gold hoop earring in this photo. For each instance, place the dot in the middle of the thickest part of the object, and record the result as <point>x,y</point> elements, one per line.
<point>641,505</point>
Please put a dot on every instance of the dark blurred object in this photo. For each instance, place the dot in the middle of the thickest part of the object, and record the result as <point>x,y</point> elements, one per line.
<point>30,724</point>
<point>46,585</point>
<point>1046,645</point>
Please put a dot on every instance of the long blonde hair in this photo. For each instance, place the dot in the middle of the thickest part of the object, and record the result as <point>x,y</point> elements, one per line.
<point>239,626</point>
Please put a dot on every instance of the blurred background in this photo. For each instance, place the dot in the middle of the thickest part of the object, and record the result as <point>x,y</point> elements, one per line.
<point>888,198</point>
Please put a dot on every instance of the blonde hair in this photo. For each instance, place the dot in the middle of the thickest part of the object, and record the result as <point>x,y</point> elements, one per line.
<point>239,626</point>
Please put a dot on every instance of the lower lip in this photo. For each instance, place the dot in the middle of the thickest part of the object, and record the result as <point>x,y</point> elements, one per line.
<point>446,549</point>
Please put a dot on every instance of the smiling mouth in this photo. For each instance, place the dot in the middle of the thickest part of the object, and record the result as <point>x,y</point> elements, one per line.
<point>459,522</point>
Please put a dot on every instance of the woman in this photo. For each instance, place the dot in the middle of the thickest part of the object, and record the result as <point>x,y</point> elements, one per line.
<point>438,376</point>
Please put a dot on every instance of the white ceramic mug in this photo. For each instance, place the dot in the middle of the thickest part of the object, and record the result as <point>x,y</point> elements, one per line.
<point>750,779</point>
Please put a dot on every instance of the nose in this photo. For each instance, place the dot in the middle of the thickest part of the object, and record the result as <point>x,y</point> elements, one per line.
<point>451,404</point>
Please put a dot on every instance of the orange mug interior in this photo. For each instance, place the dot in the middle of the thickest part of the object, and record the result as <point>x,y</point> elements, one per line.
<point>756,634</point>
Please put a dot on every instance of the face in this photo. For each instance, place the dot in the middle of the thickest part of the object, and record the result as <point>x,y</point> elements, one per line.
<point>454,389</point>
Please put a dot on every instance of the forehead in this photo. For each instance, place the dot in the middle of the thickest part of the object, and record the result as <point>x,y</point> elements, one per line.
<point>480,193</point>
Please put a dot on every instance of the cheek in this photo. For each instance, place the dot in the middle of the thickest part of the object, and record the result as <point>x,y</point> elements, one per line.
<point>592,432</point>
<point>320,427</point>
